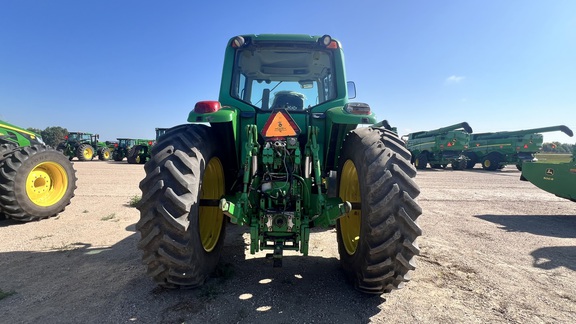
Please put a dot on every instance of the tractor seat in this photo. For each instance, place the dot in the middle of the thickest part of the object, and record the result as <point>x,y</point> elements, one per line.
<point>288,100</point>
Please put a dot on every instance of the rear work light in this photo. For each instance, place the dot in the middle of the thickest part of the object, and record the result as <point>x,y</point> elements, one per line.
<point>357,108</point>
<point>205,107</point>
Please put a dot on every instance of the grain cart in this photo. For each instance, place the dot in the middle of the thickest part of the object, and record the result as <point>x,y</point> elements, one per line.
<point>556,178</point>
<point>123,149</point>
<point>496,150</point>
<point>84,146</point>
<point>281,154</point>
<point>440,147</point>
<point>36,181</point>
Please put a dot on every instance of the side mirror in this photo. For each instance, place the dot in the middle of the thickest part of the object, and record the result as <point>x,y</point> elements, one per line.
<point>351,89</point>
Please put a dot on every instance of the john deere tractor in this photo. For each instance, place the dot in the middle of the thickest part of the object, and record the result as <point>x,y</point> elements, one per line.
<point>36,181</point>
<point>125,148</point>
<point>280,153</point>
<point>84,146</point>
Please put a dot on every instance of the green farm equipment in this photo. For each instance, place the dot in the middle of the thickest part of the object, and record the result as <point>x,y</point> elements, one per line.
<point>556,178</point>
<point>129,148</point>
<point>282,153</point>
<point>440,147</point>
<point>141,153</point>
<point>496,150</point>
<point>36,181</point>
<point>84,146</point>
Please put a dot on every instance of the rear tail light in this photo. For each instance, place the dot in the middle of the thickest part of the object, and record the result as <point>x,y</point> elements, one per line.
<point>204,107</point>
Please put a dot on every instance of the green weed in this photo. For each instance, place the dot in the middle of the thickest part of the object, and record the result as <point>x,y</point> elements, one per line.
<point>4,294</point>
<point>134,201</point>
<point>108,217</point>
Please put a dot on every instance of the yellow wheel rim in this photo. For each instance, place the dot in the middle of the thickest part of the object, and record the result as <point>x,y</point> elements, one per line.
<point>487,163</point>
<point>350,223</point>
<point>211,218</point>
<point>106,154</point>
<point>137,159</point>
<point>46,184</point>
<point>88,153</point>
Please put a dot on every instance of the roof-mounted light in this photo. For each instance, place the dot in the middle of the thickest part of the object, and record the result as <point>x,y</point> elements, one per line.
<point>325,40</point>
<point>357,108</point>
<point>238,41</point>
<point>205,107</point>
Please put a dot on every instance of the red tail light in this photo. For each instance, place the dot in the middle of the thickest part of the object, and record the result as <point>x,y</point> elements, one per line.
<point>115,144</point>
<point>525,146</point>
<point>204,107</point>
<point>150,143</point>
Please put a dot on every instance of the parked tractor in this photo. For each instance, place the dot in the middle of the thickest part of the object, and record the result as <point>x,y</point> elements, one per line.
<point>281,154</point>
<point>36,181</point>
<point>124,148</point>
<point>84,146</point>
<point>440,147</point>
<point>556,178</point>
<point>496,150</point>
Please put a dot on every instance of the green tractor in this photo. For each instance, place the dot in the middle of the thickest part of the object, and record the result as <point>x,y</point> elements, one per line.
<point>440,147</point>
<point>282,154</point>
<point>140,153</point>
<point>36,181</point>
<point>556,178</point>
<point>124,149</point>
<point>496,150</point>
<point>84,146</point>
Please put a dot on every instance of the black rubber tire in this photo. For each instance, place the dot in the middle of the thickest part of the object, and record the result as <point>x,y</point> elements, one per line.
<point>491,162</point>
<point>384,256</point>
<point>80,152</point>
<point>5,149</point>
<point>421,161</point>
<point>117,155</point>
<point>170,210</point>
<point>133,156</point>
<point>14,171</point>
<point>471,161</point>
<point>458,165</point>
<point>104,154</point>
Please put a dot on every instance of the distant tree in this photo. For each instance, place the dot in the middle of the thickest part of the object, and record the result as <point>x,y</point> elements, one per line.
<point>35,130</point>
<point>557,147</point>
<point>54,135</point>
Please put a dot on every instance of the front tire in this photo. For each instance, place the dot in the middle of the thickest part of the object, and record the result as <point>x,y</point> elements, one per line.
<point>377,239</point>
<point>421,161</point>
<point>36,182</point>
<point>182,229</point>
<point>104,154</point>
<point>85,152</point>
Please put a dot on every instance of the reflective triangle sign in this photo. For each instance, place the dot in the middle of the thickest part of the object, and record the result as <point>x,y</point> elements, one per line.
<point>280,124</point>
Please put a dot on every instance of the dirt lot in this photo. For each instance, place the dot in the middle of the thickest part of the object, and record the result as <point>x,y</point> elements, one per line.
<point>494,249</point>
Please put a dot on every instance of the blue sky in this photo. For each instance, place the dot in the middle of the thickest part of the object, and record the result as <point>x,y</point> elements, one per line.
<point>122,68</point>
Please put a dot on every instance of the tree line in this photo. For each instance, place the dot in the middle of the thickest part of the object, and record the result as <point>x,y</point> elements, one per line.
<point>52,136</point>
<point>557,147</point>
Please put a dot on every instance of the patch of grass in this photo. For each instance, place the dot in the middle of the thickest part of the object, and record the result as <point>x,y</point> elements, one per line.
<point>553,158</point>
<point>108,217</point>
<point>4,294</point>
<point>134,201</point>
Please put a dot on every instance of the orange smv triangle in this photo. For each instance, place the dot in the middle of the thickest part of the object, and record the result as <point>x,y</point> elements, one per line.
<point>280,124</point>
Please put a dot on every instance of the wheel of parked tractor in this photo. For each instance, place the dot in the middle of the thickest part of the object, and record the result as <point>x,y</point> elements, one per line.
<point>104,154</point>
<point>471,161</point>
<point>377,239</point>
<point>182,229</point>
<point>458,165</point>
<point>117,156</point>
<point>36,182</point>
<point>85,152</point>
<point>5,148</point>
<point>491,162</point>
<point>421,161</point>
<point>61,147</point>
<point>133,156</point>
<point>142,158</point>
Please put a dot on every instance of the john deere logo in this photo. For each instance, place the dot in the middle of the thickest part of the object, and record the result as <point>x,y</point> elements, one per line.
<point>550,172</point>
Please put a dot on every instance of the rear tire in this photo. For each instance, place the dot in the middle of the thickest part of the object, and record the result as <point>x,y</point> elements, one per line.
<point>377,239</point>
<point>133,156</point>
<point>421,161</point>
<point>182,240</point>
<point>36,182</point>
<point>104,154</point>
<point>491,162</point>
<point>85,152</point>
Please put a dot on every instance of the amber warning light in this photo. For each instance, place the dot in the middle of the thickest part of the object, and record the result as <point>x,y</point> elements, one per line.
<point>280,124</point>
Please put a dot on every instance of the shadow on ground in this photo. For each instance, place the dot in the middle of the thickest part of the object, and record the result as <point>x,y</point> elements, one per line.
<point>79,283</point>
<point>562,226</point>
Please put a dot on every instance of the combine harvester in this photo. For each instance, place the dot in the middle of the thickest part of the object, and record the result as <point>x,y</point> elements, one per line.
<point>495,150</point>
<point>440,147</point>
<point>556,178</point>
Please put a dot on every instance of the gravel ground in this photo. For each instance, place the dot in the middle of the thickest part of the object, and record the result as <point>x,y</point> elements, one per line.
<point>494,249</point>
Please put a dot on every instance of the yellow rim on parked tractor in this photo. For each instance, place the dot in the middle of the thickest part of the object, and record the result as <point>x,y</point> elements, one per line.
<point>46,184</point>
<point>211,218</point>
<point>350,223</point>
<point>106,154</point>
<point>487,163</point>
<point>88,153</point>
